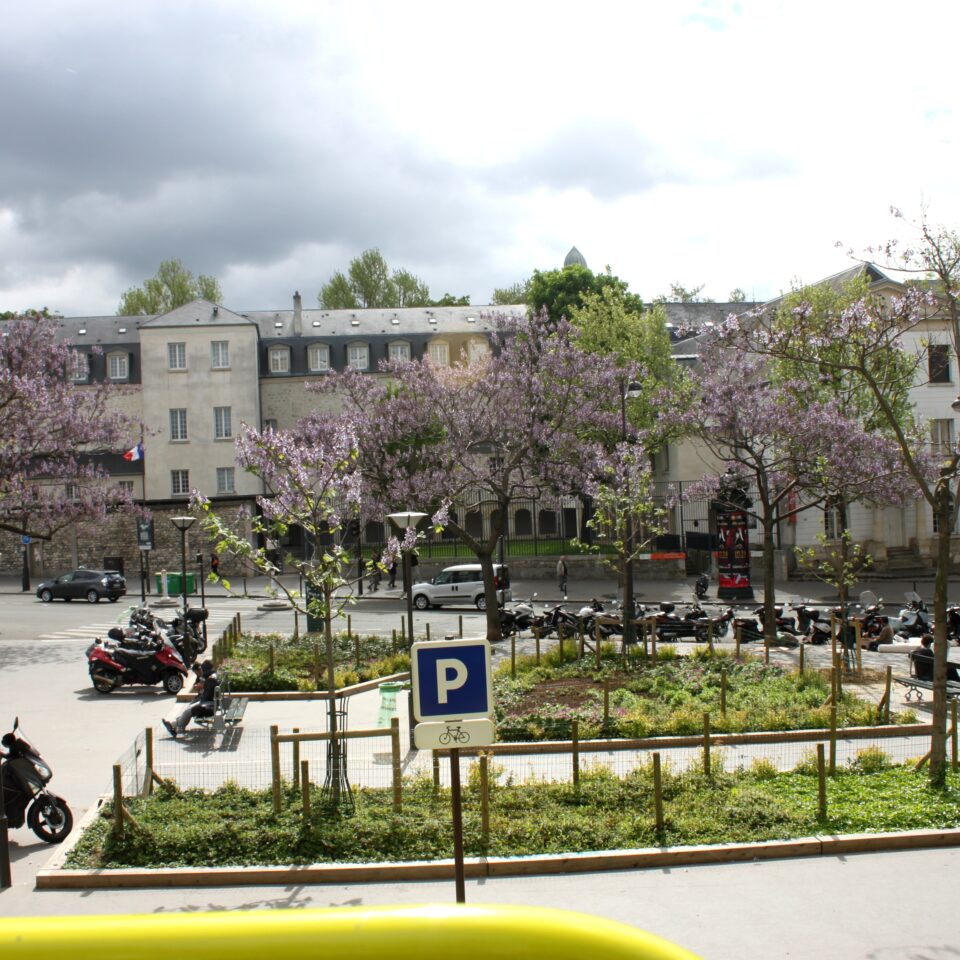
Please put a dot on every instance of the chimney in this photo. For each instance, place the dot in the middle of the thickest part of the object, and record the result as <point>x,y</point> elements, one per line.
<point>297,315</point>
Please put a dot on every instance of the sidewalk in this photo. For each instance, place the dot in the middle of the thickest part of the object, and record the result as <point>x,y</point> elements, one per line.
<point>579,591</point>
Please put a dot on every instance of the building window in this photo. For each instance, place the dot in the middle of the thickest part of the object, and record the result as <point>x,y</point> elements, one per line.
<point>270,424</point>
<point>440,353</point>
<point>71,492</point>
<point>477,350</point>
<point>225,478</point>
<point>832,521</point>
<point>399,350</point>
<point>938,363</point>
<point>118,366</point>
<point>941,438</point>
<point>177,356</point>
<point>79,367</point>
<point>179,482</point>
<point>318,357</point>
<point>358,356</point>
<point>220,354</point>
<point>178,424</point>
<point>222,427</point>
<point>280,360</point>
<point>126,486</point>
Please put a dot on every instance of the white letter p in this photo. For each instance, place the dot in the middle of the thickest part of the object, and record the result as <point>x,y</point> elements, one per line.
<point>451,675</point>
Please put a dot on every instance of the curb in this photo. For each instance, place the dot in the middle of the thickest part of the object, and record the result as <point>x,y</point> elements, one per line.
<point>268,695</point>
<point>53,877</point>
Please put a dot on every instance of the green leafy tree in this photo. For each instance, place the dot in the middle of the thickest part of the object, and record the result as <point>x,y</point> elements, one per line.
<point>369,283</point>
<point>681,294</point>
<point>560,292</point>
<point>737,295</point>
<point>515,293</point>
<point>172,287</point>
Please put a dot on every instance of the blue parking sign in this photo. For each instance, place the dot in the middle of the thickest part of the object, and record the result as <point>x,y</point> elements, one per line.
<point>451,680</point>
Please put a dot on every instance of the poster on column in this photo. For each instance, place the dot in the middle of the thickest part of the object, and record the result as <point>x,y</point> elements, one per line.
<point>733,556</point>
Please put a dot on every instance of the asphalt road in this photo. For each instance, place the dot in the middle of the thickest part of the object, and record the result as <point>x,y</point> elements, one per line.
<point>867,907</point>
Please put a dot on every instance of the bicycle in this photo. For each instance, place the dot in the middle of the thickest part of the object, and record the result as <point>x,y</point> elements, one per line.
<point>454,735</point>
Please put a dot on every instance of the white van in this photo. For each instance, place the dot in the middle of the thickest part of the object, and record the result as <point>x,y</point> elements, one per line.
<point>462,584</point>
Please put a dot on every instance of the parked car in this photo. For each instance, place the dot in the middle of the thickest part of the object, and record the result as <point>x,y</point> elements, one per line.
<point>462,584</point>
<point>89,585</point>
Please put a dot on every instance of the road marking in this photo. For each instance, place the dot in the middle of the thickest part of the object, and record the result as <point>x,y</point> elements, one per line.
<point>91,631</point>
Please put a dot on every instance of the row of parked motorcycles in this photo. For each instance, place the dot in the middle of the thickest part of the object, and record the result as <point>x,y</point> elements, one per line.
<point>803,623</point>
<point>148,651</point>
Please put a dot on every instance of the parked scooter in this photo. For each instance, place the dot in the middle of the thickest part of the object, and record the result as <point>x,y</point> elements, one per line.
<point>811,625</point>
<point>113,665</point>
<point>26,799</point>
<point>702,586</point>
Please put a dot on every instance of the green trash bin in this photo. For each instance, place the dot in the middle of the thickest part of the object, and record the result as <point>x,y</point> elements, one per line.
<point>173,584</point>
<point>191,582</point>
<point>159,583</point>
<point>314,624</point>
<point>388,701</point>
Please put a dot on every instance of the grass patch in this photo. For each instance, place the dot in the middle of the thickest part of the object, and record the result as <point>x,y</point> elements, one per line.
<point>235,827</point>
<point>668,698</point>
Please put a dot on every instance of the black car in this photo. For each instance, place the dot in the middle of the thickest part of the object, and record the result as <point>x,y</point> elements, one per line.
<point>89,585</point>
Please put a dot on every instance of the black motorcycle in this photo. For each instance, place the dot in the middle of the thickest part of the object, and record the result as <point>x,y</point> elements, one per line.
<point>25,776</point>
<point>702,586</point>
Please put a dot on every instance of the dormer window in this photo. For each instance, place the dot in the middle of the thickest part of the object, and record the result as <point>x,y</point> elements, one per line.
<point>79,367</point>
<point>358,356</point>
<point>318,358</point>
<point>399,350</point>
<point>118,366</point>
<point>477,349</point>
<point>439,352</point>
<point>279,359</point>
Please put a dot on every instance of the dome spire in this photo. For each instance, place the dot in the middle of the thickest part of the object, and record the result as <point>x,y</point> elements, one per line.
<point>574,257</point>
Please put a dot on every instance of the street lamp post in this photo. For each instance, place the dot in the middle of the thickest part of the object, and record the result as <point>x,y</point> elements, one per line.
<point>402,521</point>
<point>183,524</point>
<point>627,391</point>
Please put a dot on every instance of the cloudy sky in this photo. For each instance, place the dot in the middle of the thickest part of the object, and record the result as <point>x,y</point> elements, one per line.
<point>730,144</point>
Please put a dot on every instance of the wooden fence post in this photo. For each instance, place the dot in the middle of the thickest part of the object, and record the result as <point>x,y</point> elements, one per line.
<point>657,791</point>
<point>513,655</point>
<point>427,628</point>
<point>710,636</point>
<point>887,693</point>
<point>575,746</point>
<point>723,691</point>
<point>485,795</point>
<point>461,626</point>
<point>606,701</point>
<point>275,765</point>
<point>356,651</point>
<point>296,759</point>
<point>393,641</point>
<point>436,774</point>
<point>305,789</point>
<point>954,743</point>
<point>118,800</point>
<point>736,641</point>
<point>706,743</point>
<point>397,769</point>
<point>858,629</point>
<point>596,640</point>
<point>148,761</point>
<point>536,640</point>
<point>800,665</point>
<point>821,783</point>
<point>833,739</point>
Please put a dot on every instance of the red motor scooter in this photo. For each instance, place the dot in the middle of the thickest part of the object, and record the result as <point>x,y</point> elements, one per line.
<point>112,665</point>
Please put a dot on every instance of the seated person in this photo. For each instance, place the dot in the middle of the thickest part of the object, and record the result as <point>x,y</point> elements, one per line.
<point>204,704</point>
<point>923,661</point>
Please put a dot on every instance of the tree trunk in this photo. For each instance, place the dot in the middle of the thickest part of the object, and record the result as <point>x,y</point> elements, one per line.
<point>769,584</point>
<point>490,593</point>
<point>938,739</point>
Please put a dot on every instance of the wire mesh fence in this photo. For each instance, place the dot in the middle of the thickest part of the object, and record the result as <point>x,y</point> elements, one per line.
<point>243,756</point>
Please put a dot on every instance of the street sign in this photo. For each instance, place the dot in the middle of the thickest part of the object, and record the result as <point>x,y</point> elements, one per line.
<point>451,680</point>
<point>25,540</point>
<point>145,534</point>
<point>452,734</point>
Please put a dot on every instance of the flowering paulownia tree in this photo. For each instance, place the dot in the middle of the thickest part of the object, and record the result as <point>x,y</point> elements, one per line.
<point>872,330</point>
<point>518,423</point>
<point>311,481</point>
<point>782,439</point>
<point>50,432</point>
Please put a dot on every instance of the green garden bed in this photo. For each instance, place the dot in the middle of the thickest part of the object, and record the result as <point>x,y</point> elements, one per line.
<point>236,827</point>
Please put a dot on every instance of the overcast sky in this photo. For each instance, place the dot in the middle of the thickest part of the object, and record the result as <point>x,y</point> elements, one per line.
<point>730,144</point>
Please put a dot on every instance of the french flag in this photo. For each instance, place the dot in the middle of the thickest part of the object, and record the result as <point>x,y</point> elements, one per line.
<point>135,454</point>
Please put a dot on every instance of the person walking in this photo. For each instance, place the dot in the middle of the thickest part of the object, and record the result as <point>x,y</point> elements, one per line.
<point>562,574</point>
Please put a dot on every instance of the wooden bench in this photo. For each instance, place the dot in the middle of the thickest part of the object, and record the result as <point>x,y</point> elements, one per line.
<point>916,687</point>
<point>227,709</point>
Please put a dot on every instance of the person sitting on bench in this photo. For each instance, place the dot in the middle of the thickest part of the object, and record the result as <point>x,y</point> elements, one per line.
<point>204,704</point>
<point>923,661</point>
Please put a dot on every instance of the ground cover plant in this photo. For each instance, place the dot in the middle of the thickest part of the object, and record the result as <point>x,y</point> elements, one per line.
<point>279,662</point>
<point>669,697</point>
<point>234,826</point>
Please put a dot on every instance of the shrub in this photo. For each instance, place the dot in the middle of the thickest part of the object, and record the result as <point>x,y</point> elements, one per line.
<point>870,760</point>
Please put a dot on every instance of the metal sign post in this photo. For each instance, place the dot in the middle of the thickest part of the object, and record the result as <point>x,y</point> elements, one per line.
<point>453,700</point>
